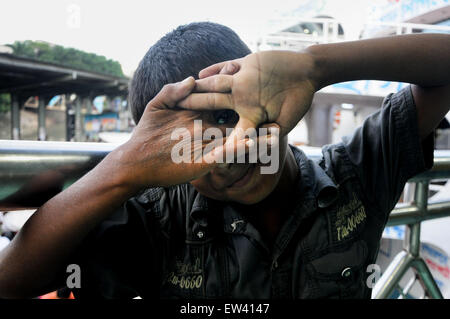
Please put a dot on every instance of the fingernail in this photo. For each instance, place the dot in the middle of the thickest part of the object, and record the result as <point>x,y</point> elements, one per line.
<point>230,68</point>
<point>186,79</point>
<point>250,143</point>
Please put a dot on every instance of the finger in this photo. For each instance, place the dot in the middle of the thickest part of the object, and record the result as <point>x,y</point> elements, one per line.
<point>244,128</point>
<point>271,129</point>
<point>270,139</point>
<point>207,101</point>
<point>205,148</point>
<point>245,150</point>
<point>211,70</point>
<point>227,153</point>
<point>270,125</point>
<point>217,83</point>
<point>227,67</point>
<point>265,142</point>
<point>170,94</point>
<point>267,134</point>
<point>231,67</point>
<point>249,153</point>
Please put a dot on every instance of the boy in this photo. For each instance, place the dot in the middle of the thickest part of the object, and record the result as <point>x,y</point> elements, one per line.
<point>136,228</point>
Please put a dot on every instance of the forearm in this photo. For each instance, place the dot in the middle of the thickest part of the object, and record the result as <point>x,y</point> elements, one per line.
<point>49,237</point>
<point>422,59</point>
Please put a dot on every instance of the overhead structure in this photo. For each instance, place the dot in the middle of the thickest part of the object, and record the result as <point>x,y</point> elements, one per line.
<point>24,77</point>
<point>28,77</point>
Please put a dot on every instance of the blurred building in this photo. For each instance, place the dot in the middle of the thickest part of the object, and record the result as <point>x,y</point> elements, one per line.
<point>42,100</point>
<point>338,109</point>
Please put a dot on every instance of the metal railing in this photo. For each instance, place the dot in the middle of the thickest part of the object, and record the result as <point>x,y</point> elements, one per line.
<point>412,215</point>
<point>32,172</point>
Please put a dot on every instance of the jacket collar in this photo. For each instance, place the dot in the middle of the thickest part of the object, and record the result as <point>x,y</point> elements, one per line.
<point>313,183</point>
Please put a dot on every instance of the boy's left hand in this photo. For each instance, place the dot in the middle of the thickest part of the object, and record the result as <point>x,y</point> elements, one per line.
<point>264,87</point>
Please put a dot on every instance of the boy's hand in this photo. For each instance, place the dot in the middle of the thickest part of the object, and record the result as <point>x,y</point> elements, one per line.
<point>146,159</point>
<point>263,87</point>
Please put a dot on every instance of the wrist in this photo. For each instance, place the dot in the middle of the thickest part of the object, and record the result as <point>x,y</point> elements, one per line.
<point>320,72</point>
<point>122,170</point>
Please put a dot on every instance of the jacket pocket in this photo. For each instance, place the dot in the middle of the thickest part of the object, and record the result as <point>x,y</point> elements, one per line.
<point>340,272</point>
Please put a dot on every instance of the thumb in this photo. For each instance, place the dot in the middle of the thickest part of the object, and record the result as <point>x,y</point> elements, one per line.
<point>243,128</point>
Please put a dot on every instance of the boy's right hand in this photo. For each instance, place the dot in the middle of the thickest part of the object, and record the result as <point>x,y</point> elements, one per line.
<point>146,159</point>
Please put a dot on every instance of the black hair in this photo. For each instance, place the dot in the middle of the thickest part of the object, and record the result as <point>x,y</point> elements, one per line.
<point>179,54</point>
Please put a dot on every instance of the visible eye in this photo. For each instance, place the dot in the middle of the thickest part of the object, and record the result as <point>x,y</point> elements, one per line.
<point>225,117</point>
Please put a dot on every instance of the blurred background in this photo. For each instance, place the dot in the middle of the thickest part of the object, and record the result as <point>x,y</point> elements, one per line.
<point>65,67</point>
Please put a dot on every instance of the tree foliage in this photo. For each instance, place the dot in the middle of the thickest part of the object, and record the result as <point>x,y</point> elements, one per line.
<point>5,102</point>
<point>70,57</point>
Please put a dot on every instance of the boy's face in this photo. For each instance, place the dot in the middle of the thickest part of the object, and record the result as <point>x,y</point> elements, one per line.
<point>240,182</point>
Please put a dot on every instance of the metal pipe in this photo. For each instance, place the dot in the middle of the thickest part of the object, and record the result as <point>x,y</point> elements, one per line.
<point>409,285</point>
<point>421,196</point>
<point>78,118</point>
<point>15,117</point>
<point>397,268</point>
<point>426,279</point>
<point>405,215</point>
<point>42,133</point>
<point>33,172</point>
<point>88,101</point>
<point>412,240</point>
<point>392,276</point>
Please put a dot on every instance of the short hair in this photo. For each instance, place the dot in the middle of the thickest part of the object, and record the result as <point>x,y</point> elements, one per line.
<point>179,54</point>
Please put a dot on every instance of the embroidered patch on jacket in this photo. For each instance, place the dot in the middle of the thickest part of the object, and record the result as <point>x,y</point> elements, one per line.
<point>349,217</point>
<point>186,275</point>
